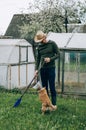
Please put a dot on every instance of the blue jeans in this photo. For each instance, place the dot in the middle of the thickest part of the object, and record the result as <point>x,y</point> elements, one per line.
<point>48,77</point>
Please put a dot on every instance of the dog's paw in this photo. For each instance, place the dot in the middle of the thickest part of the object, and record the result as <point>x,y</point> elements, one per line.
<point>54,108</point>
<point>46,111</point>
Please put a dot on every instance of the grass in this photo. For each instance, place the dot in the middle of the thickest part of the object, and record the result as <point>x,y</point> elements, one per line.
<point>71,113</point>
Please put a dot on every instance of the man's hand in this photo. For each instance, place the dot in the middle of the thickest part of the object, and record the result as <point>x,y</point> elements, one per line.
<point>47,60</point>
<point>36,73</point>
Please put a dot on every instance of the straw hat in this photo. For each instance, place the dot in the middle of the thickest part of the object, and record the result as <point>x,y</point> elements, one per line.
<point>39,36</point>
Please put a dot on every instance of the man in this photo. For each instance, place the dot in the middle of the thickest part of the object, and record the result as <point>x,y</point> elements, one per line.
<point>48,52</point>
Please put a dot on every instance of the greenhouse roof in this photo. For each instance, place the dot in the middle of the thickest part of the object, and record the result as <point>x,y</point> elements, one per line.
<point>70,41</point>
<point>14,42</point>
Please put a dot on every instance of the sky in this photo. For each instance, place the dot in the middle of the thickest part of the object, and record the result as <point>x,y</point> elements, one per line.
<point>8,8</point>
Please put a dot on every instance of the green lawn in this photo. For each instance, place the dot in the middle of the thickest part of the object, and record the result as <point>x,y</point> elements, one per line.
<point>71,113</point>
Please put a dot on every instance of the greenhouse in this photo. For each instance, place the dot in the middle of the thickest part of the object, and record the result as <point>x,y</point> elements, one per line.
<point>16,63</point>
<point>71,66</point>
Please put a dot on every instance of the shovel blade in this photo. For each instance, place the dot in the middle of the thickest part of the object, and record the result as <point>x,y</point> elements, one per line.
<point>17,103</point>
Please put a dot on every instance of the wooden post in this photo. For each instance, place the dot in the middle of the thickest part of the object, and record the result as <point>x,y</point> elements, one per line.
<point>59,71</point>
<point>63,60</point>
<point>9,76</point>
<point>19,75</point>
<point>26,74</point>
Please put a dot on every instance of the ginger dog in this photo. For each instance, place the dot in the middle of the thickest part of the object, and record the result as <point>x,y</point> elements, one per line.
<point>44,98</point>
